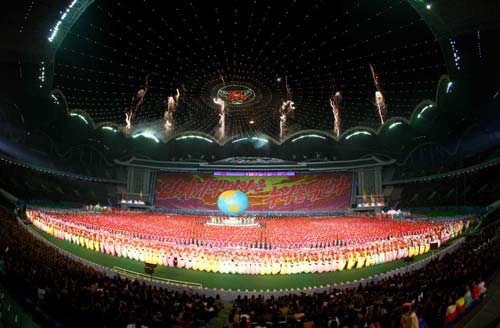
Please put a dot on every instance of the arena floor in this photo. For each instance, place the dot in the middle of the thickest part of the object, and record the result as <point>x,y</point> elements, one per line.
<point>235,281</point>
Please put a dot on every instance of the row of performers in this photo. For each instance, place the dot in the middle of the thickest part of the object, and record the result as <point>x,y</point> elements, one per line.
<point>222,219</point>
<point>182,231</point>
<point>249,261</point>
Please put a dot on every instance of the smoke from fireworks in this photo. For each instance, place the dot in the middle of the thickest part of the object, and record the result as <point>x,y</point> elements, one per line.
<point>379,96</point>
<point>128,120</point>
<point>336,104</point>
<point>136,102</point>
<point>172,105</point>
<point>221,127</point>
<point>282,125</point>
<point>286,110</point>
<point>381,106</point>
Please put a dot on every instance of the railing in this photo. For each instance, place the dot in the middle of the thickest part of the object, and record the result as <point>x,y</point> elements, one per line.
<point>135,275</point>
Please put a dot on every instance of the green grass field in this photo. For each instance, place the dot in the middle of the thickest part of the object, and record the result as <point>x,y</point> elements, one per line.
<point>230,281</point>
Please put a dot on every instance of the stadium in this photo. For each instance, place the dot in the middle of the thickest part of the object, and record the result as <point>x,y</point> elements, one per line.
<point>250,164</point>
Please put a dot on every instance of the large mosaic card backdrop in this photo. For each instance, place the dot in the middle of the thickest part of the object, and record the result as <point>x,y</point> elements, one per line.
<point>299,193</point>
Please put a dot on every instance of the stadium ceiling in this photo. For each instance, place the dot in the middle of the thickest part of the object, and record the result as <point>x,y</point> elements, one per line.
<point>255,55</point>
<point>304,52</point>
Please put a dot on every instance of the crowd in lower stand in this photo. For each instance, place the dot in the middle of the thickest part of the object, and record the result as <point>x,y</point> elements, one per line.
<point>64,292</point>
<point>434,296</point>
<point>67,293</point>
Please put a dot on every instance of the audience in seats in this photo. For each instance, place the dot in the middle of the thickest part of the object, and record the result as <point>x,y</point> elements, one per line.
<point>66,292</point>
<point>429,297</point>
<point>69,293</point>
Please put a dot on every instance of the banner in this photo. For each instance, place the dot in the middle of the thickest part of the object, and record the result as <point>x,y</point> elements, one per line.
<point>300,193</point>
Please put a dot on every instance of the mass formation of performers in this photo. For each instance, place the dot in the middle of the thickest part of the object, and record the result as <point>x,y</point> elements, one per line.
<point>285,246</point>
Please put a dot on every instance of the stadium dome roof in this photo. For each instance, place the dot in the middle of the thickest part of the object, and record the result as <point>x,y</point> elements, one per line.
<point>252,54</point>
<point>74,68</point>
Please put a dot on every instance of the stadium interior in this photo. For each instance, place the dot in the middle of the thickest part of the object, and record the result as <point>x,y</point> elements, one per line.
<point>251,164</point>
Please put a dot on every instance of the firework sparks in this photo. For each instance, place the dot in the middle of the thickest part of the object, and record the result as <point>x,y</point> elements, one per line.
<point>379,96</point>
<point>286,110</point>
<point>128,120</point>
<point>172,105</point>
<point>381,106</point>
<point>221,127</point>
<point>177,96</point>
<point>136,102</point>
<point>336,104</point>
<point>282,125</point>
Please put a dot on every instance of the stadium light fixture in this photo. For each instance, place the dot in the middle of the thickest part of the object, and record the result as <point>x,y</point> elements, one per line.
<point>64,14</point>
<point>146,134</point>
<point>456,54</point>
<point>41,76</point>
<point>309,136</point>
<point>194,137</point>
<point>56,101</point>
<point>80,116</point>
<point>449,87</point>
<point>358,133</point>
<point>423,110</point>
<point>393,125</point>
<point>260,139</point>
<point>428,5</point>
<point>239,140</point>
<point>109,128</point>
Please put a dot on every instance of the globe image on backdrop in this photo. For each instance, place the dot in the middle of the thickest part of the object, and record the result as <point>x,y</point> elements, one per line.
<point>232,202</point>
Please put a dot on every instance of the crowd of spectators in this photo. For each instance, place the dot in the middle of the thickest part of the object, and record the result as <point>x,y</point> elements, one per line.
<point>433,296</point>
<point>67,293</point>
<point>36,186</point>
<point>433,159</point>
<point>474,188</point>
